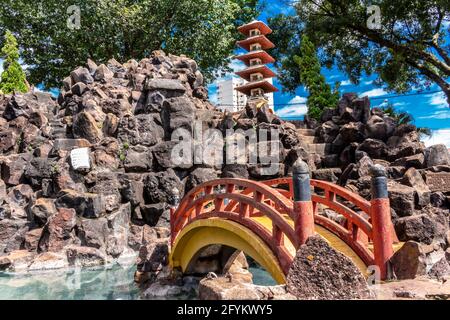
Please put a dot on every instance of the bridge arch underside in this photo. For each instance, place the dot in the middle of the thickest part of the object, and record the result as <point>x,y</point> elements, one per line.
<point>206,232</point>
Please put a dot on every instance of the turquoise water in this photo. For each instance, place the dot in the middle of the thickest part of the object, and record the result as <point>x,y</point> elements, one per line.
<point>114,283</point>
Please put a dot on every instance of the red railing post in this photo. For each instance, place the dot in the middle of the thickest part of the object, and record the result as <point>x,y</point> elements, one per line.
<point>380,212</point>
<point>172,225</point>
<point>303,207</point>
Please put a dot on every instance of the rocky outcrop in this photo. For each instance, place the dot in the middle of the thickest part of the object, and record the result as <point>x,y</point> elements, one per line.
<point>320,272</point>
<point>125,115</point>
<point>356,136</point>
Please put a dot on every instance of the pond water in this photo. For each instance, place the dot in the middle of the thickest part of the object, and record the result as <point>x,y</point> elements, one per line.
<point>112,283</point>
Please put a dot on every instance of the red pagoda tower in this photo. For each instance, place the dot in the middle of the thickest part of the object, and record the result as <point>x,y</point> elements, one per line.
<point>257,72</point>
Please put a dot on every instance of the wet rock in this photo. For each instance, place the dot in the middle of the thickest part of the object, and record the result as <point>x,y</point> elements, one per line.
<point>16,261</point>
<point>320,272</point>
<point>85,256</point>
<point>48,261</point>
<point>59,231</point>
<point>153,256</point>
<point>93,232</point>
<point>118,223</point>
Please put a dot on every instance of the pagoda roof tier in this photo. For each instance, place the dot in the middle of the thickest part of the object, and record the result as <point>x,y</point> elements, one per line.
<point>264,70</point>
<point>263,84</point>
<point>261,26</point>
<point>262,40</point>
<point>261,54</point>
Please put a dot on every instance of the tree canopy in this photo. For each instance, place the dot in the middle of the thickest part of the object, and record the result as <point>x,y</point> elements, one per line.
<point>204,30</point>
<point>408,50</point>
<point>320,94</point>
<point>12,78</point>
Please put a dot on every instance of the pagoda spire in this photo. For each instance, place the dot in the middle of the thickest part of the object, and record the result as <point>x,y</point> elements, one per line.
<point>256,73</point>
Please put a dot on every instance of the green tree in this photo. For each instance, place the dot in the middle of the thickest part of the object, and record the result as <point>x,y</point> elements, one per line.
<point>12,78</point>
<point>204,30</point>
<point>320,94</point>
<point>409,49</point>
<point>404,118</point>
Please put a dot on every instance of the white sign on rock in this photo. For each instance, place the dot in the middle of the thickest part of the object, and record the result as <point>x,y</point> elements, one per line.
<point>80,158</point>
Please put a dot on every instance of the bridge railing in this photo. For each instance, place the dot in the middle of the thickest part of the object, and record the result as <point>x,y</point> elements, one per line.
<point>290,199</point>
<point>356,231</point>
<point>370,225</point>
<point>240,200</point>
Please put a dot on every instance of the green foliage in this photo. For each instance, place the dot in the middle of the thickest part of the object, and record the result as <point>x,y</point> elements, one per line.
<point>410,50</point>
<point>204,30</point>
<point>12,78</point>
<point>404,118</point>
<point>320,94</point>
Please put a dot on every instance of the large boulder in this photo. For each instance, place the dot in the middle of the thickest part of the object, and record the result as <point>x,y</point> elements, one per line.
<point>402,198</point>
<point>87,128</point>
<point>413,178</point>
<point>59,231</point>
<point>320,272</point>
<point>88,205</point>
<point>420,228</point>
<point>414,259</point>
<point>437,155</point>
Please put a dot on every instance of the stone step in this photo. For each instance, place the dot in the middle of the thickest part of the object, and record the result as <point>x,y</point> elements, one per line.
<point>307,132</point>
<point>319,148</point>
<point>308,139</point>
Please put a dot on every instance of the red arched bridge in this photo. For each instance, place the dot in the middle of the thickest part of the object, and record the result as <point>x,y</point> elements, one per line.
<point>270,220</point>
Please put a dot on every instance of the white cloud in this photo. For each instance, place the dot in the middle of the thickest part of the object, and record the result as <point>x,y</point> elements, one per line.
<point>441,114</point>
<point>296,108</point>
<point>439,100</point>
<point>374,93</point>
<point>346,83</point>
<point>440,136</point>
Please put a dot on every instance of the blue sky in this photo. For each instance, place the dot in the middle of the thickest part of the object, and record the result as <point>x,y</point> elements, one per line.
<point>429,110</point>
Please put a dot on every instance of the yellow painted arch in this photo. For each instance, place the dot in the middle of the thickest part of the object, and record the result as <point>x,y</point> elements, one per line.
<point>202,233</point>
